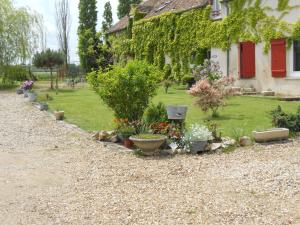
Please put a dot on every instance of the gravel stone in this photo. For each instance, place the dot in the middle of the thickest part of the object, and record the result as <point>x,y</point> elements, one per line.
<point>53,173</point>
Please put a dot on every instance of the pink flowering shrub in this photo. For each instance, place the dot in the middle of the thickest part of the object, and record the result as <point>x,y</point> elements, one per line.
<point>211,94</point>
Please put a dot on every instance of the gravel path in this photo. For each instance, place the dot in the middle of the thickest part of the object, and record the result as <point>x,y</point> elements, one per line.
<point>51,173</point>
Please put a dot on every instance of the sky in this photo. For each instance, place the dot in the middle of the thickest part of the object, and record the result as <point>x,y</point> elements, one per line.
<point>47,9</point>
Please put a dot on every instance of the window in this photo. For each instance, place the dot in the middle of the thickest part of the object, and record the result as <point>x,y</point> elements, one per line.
<point>216,6</point>
<point>297,56</point>
<point>216,10</point>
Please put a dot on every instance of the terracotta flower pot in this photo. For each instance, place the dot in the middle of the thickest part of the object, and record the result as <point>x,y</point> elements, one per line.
<point>59,115</point>
<point>128,143</point>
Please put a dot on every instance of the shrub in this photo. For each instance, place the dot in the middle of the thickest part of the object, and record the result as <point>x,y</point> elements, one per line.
<point>208,70</point>
<point>284,120</point>
<point>210,97</point>
<point>126,132</point>
<point>189,80</point>
<point>214,129</point>
<point>212,89</point>
<point>13,73</point>
<point>167,72</point>
<point>167,84</point>
<point>156,113</point>
<point>127,90</point>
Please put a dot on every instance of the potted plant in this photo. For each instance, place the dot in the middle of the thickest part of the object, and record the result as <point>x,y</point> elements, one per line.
<point>196,138</point>
<point>148,143</point>
<point>19,91</point>
<point>43,106</point>
<point>26,87</point>
<point>32,96</point>
<point>59,115</point>
<point>189,81</point>
<point>124,134</point>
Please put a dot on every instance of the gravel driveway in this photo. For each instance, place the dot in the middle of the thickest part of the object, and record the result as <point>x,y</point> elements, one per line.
<point>52,173</point>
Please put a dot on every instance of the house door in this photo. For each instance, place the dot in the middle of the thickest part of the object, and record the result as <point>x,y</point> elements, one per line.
<point>247,60</point>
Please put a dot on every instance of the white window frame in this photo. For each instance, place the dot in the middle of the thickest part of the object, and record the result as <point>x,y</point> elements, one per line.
<point>293,73</point>
<point>216,7</point>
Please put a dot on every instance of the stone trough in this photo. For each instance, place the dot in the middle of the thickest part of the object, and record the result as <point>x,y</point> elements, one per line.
<point>275,134</point>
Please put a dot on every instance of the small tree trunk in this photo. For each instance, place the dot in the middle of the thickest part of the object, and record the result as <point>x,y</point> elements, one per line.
<point>51,76</point>
<point>56,83</point>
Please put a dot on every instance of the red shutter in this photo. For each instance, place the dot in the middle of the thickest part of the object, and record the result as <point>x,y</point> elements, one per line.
<point>278,48</point>
<point>247,59</point>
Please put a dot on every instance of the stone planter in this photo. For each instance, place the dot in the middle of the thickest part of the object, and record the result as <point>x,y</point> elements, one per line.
<point>275,134</point>
<point>177,112</point>
<point>59,115</point>
<point>32,96</point>
<point>19,91</point>
<point>42,106</point>
<point>25,92</point>
<point>148,145</point>
<point>198,146</point>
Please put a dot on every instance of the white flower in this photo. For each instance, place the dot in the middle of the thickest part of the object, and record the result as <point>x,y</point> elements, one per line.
<point>198,132</point>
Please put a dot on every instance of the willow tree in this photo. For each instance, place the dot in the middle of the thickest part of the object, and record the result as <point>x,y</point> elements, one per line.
<point>19,33</point>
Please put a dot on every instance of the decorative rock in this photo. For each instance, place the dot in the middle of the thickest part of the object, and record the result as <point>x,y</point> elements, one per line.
<point>228,142</point>
<point>111,133</point>
<point>103,135</point>
<point>114,139</point>
<point>19,91</point>
<point>215,146</point>
<point>181,151</point>
<point>248,90</point>
<point>268,93</point>
<point>245,141</point>
<point>95,136</point>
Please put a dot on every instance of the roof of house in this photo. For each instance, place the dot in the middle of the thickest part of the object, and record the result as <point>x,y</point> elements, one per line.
<point>120,25</point>
<point>175,6</point>
<point>157,7</point>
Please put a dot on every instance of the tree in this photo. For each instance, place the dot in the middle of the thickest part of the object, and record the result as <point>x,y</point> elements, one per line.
<point>87,35</point>
<point>19,33</point>
<point>63,23</point>
<point>124,7</point>
<point>107,17</point>
<point>48,59</point>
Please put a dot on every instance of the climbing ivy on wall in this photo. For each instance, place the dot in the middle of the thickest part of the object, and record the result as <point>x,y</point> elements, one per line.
<point>184,37</point>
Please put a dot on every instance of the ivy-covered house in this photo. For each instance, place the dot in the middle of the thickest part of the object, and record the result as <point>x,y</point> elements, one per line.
<point>267,57</point>
<point>256,41</point>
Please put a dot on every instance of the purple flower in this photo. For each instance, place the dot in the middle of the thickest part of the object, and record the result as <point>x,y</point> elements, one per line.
<point>27,85</point>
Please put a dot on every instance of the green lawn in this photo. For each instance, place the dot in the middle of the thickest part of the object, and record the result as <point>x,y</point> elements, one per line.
<point>84,108</point>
